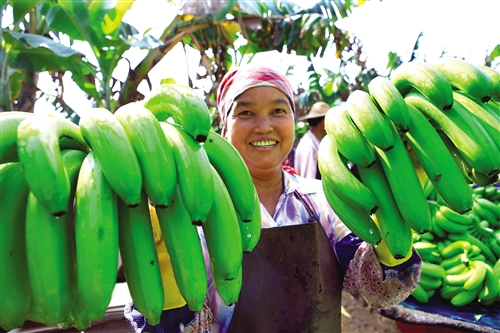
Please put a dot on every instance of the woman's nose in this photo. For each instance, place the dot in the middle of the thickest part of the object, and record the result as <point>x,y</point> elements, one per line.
<point>264,124</point>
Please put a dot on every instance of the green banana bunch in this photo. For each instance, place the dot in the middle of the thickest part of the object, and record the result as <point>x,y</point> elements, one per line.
<point>340,180</point>
<point>9,122</point>
<point>194,176</point>
<point>426,79</point>
<point>140,259</point>
<point>15,289</point>
<point>466,133</point>
<point>112,147</point>
<point>39,150</point>
<point>156,158</point>
<point>184,105</point>
<point>431,279</point>
<point>350,142</point>
<point>186,254</point>
<point>437,162</point>
<point>234,172</point>
<point>96,237</point>
<point>395,230</point>
<point>50,249</point>
<point>390,101</point>
<point>369,120</point>
<point>404,184</point>
<point>222,224</point>
<point>466,77</point>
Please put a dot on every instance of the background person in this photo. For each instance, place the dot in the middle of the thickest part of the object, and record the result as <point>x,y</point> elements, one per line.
<point>256,106</point>
<point>306,153</point>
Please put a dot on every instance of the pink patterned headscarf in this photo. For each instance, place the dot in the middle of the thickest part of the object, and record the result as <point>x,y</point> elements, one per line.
<point>240,79</point>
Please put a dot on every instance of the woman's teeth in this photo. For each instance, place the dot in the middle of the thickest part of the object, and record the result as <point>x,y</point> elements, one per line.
<point>267,143</point>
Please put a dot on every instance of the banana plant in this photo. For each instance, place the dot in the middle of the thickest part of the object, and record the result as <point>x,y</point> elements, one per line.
<point>28,49</point>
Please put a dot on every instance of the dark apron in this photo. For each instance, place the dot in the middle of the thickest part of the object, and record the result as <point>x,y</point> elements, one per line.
<point>291,283</point>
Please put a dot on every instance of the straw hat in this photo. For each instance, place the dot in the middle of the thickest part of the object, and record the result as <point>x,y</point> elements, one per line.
<point>319,109</point>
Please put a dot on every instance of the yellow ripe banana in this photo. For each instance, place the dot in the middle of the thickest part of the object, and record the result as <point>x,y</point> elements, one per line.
<point>140,260</point>
<point>465,132</point>
<point>171,294</point>
<point>96,237</point>
<point>186,254</point>
<point>156,159</point>
<point>390,101</point>
<point>15,290</point>
<point>250,231</point>
<point>341,180</point>
<point>395,231</point>
<point>184,105</point>
<point>425,78</point>
<point>350,142</point>
<point>234,172</point>
<point>116,155</point>
<point>9,121</point>
<point>222,233</point>
<point>437,162</point>
<point>466,77</point>
<point>369,119</point>
<point>495,82</point>
<point>39,150</point>
<point>194,175</point>
<point>50,252</point>
<point>405,185</point>
<point>489,121</point>
<point>358,221</point>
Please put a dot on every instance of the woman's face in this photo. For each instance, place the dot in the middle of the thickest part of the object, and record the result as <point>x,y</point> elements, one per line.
<point>261,126</point>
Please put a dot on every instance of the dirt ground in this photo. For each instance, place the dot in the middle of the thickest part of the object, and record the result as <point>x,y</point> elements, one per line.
<point>356,319</point>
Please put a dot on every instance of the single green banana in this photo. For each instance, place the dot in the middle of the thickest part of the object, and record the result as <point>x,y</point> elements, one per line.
<point>156,158</point>
<point>15,290</point>
<point>96,237</point>
<point>459,279</point>
<point>495,82</point>
<point>184,105</point>
<point>457,259</point>
<point>50,249</point>
<point>465,297</point>
<point>369,120</point>
<point>222,234</point>
<point>430,282</point>
<point>394,229</point>
<point>194,173</point>
<point>491,286</point>
<point>466,133</point>
<point>9,122</point>
<point>456,247</point>
<point>390,101</point>
<point>350,142</point>
<point>358,221</point>
<point>140,260</point>
<point>489,206</point>
<point>251,231</point>
<point>447,291</point>
<point>448,225</point>
<point>405,185</point>
<point>450,214</point>
<point>186,254</point>
<point>229,290</point>
<point>340,179</point>
<point>466,77</point>
<point>424,248</point>
<point>39,150</point>
<point>437,162</point>
<point>112,147</point>
<point>490,123</point>
<point>420,294</point>
<point>425,78</point>
<point>433,270</point>
<point>479,275</point>
<point>234,172</point>
<point>458,269</point>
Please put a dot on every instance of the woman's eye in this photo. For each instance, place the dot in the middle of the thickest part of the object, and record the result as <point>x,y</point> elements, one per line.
<point>279,111</point>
